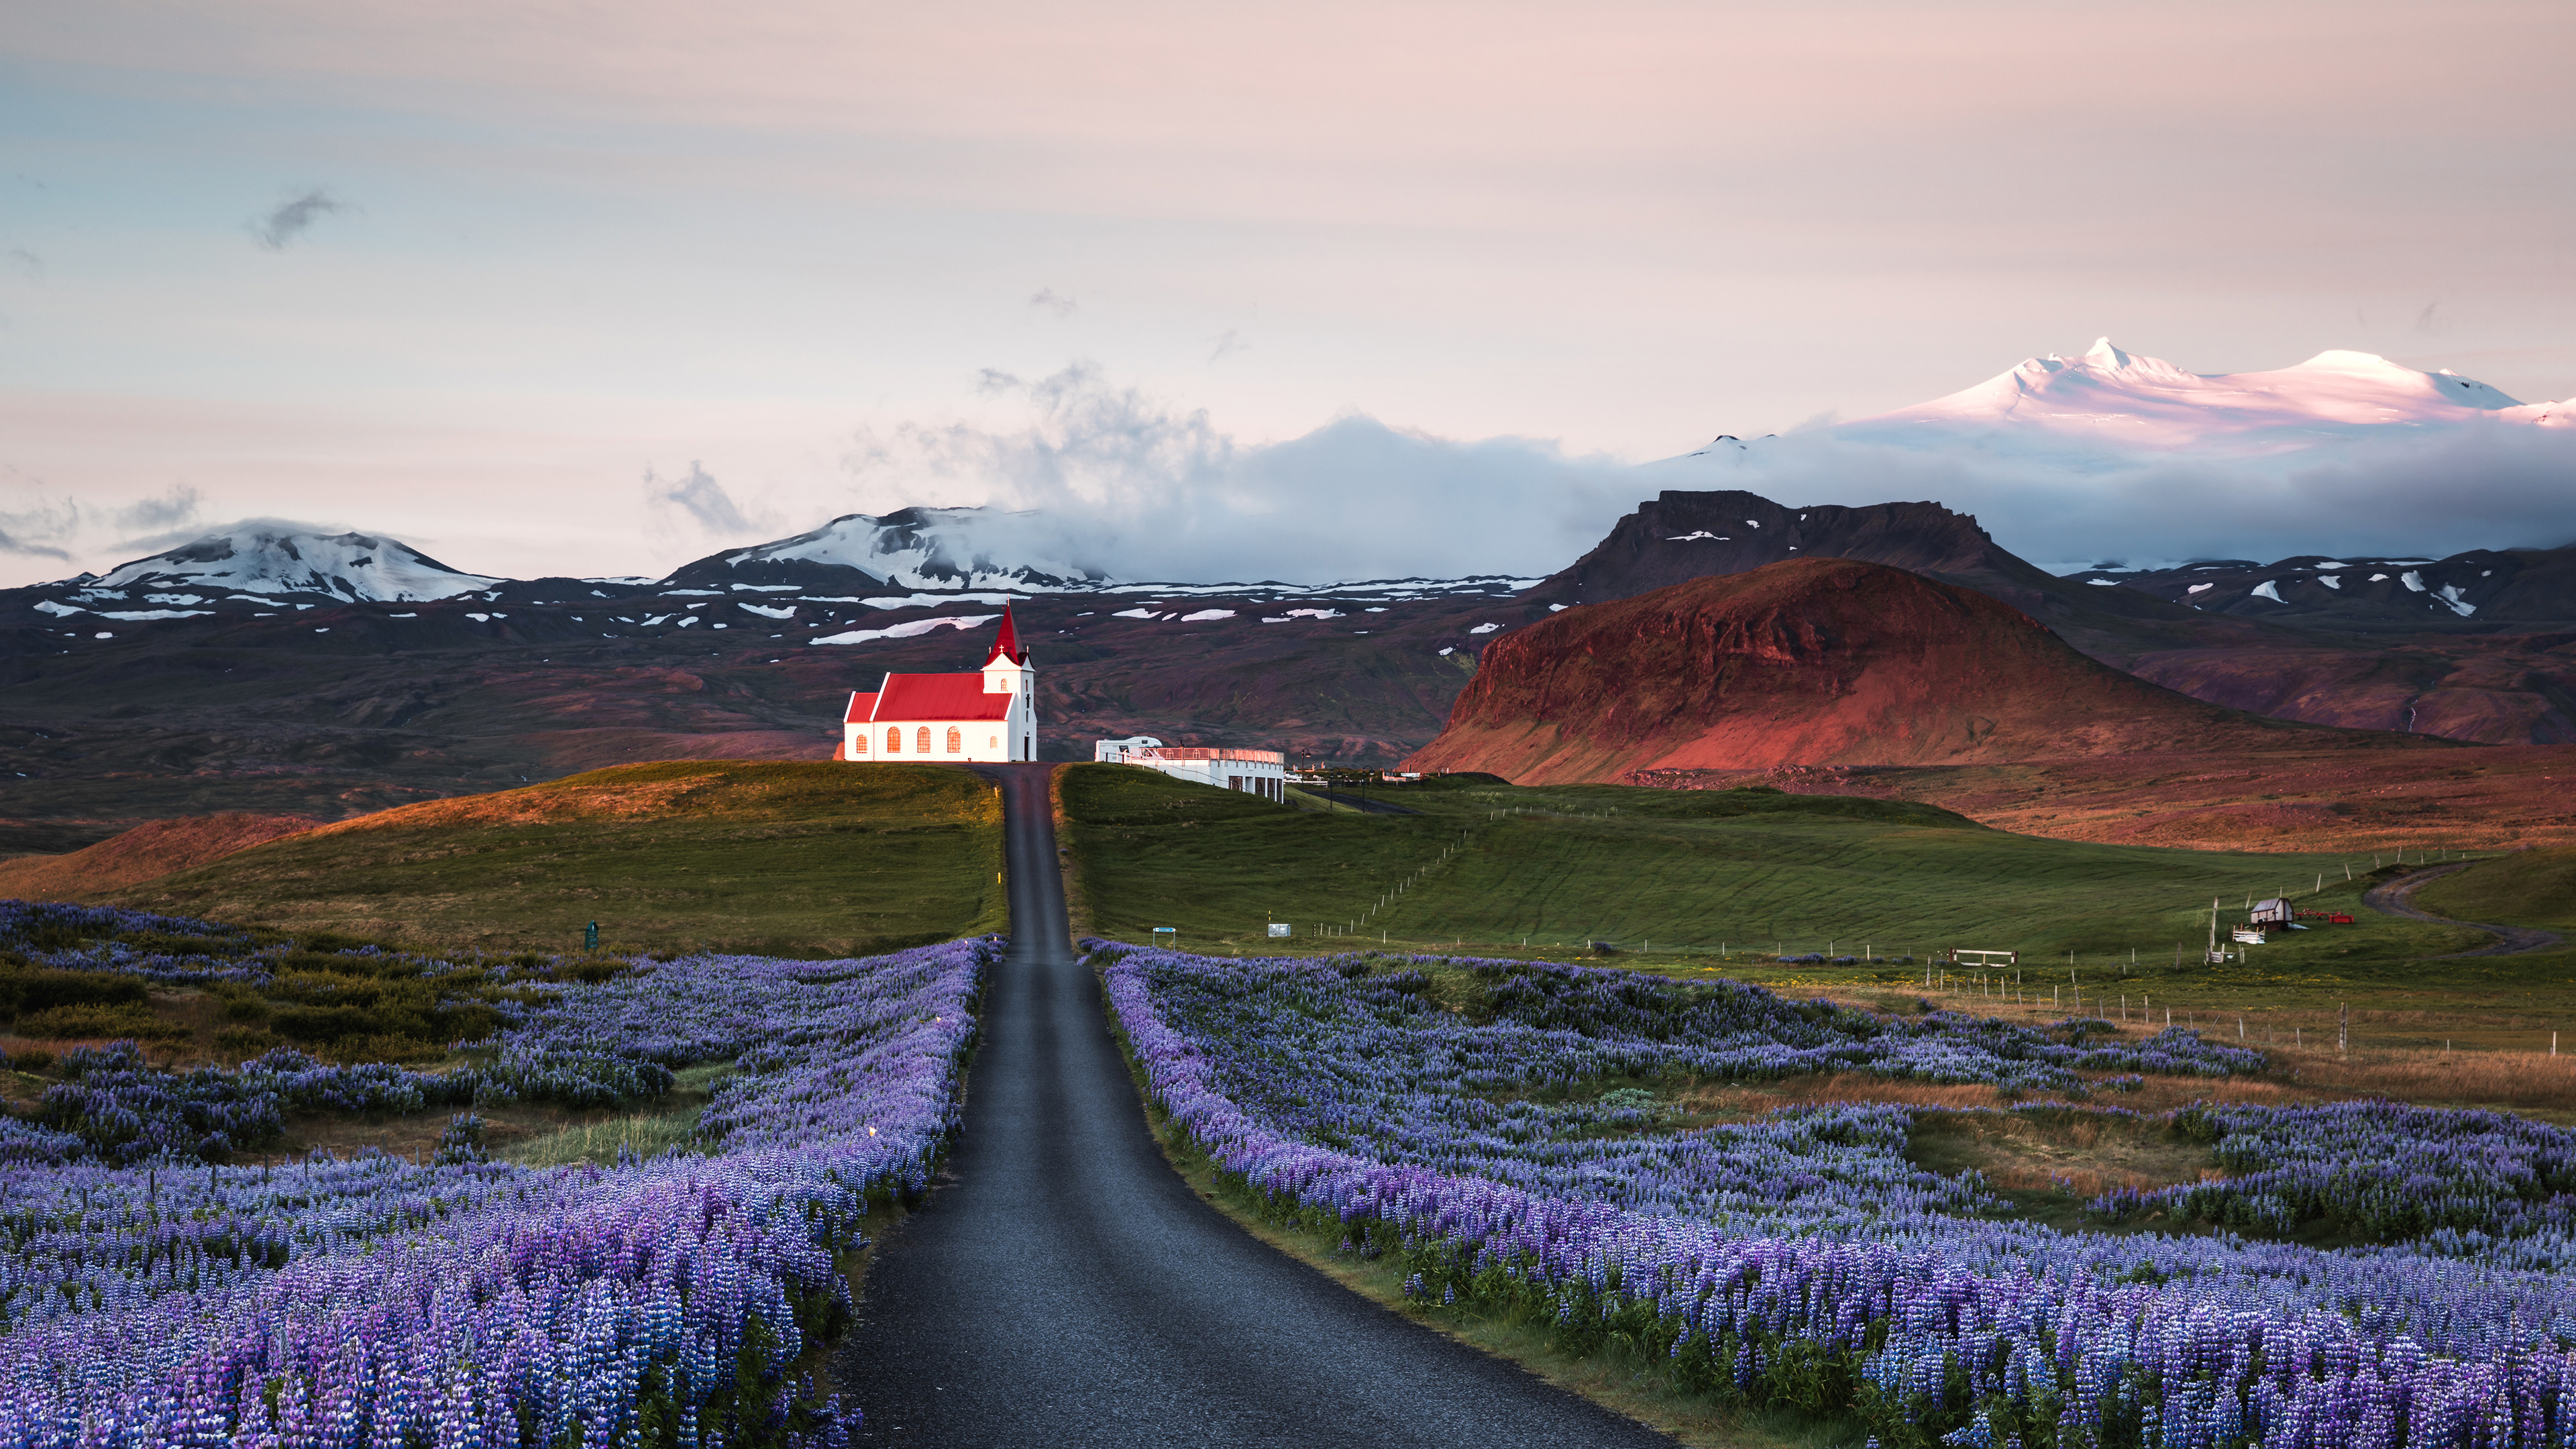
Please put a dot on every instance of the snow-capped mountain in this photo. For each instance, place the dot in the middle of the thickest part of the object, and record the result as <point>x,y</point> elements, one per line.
<point>2113,401</point>
<point>910,548</point>
<point>261,563</point>
<point>2064,458</point>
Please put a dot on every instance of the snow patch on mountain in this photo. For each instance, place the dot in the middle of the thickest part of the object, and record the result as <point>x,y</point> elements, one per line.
<point>911,630</point>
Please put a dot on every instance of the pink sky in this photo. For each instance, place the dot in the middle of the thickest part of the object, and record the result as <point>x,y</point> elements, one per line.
<point>561,246</point>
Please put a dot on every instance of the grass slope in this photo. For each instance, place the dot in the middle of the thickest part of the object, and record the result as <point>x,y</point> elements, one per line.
<point>1691,879</point>
<point>2525,888</point>
<point>785,859</point>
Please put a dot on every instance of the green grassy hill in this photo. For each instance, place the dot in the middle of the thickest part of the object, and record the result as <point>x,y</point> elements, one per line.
<point>1683,876</point>
<point>789,859</point>
<point>2524,888</point>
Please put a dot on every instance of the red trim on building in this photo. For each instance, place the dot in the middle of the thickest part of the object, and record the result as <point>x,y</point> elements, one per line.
<point>863,707</point>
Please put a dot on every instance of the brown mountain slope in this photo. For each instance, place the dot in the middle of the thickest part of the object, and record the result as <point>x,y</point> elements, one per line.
<point>144,853</point>
<point>1819,661</point>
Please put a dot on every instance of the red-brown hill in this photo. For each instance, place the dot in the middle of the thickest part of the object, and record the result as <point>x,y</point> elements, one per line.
<point>146,852</point>
<point>1820,661</point>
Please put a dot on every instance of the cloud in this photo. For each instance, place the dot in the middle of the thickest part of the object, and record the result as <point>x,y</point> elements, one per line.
<point>39,527</point>
<point>155,515</point>
<point>14,541</point>
<point>1226,345</point>
<point>1048,299</point>
<point>2486,485</point>
<point>291,218</point>
<point>1119,480</point>
<point>1110,476</point>
<point>705,501</point>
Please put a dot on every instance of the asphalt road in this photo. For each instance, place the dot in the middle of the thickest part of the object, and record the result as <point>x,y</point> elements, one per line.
<point>1064,1287</point>
<point>2397,899</point>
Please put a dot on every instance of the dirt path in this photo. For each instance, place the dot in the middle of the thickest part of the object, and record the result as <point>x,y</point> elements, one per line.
<point>2397,899</point>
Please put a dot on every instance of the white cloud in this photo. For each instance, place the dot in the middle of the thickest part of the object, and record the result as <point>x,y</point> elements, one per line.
<point>39,526</point>
<point>2440,493</point>
<point>1141,489</point>
<point>174,509</point>
<point>704,502</point>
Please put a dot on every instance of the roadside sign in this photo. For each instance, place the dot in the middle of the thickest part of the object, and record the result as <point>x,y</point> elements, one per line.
<point>590,937</point>
<point>1167,933</point>
<point>1280,929</point>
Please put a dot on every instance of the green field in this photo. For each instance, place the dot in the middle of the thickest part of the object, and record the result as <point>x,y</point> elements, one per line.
<point>2521,888</point>
<point>1729,880</point>
<point>784,859</point>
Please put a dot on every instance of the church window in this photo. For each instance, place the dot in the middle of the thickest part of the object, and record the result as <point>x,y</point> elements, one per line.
<point>894,742</point>
<point>859,743</point>
<point>992,742</point>
<point>921,740</point>
<point>956,741</point>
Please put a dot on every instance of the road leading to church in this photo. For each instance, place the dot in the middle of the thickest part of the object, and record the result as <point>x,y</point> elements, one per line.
<point>1064,1287</point>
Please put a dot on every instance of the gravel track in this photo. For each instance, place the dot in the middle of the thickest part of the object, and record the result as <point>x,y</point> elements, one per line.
<point>1064,1287</point>
<point>2397,899</point>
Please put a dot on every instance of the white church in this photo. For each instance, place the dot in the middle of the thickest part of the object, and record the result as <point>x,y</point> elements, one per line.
<point>981,718</point>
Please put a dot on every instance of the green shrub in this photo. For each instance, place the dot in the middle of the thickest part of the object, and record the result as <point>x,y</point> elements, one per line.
<point>25,991</point>
<point>72,1023</point>
<point>243,1042</point>
<point>244,1007</point>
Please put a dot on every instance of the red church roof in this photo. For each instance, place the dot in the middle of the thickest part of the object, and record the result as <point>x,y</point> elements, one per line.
<point>1006,645</point>
<point>938,697</point>
<point>863,707</point>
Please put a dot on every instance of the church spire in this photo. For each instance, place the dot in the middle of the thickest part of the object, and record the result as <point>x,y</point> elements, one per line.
<point>1006,645</point>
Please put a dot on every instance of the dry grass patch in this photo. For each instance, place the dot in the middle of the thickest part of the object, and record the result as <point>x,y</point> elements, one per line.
<point>2079,1155</point>
<point>2535,1084</point>
<point>1739,1101</point>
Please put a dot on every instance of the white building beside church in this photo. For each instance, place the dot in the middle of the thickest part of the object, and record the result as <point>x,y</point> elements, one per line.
<point>1256,772</point>
<point>987,717</point>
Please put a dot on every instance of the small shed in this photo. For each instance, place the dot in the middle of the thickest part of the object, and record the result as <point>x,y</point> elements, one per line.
<point>2273,912</point>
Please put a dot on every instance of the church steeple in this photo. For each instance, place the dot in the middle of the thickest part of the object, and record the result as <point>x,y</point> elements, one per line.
<point>1006,645</point>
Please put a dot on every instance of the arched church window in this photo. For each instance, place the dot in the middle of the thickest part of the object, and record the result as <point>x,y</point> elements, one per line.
<point>921,740</point>
<point>992,742</point>
<point>894,742</point>
<point>956,740</point>
<point>859,743</point>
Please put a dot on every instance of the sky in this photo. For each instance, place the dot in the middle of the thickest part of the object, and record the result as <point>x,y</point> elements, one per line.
<point>548,287</point>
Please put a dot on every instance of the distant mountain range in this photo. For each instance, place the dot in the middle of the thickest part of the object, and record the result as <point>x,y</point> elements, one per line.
<point>2109,402</point>
<point>279,670</point>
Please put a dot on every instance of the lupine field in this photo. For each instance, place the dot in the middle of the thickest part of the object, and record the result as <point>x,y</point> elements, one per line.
<point>1802,1260</point>
<point>154,1291</point>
